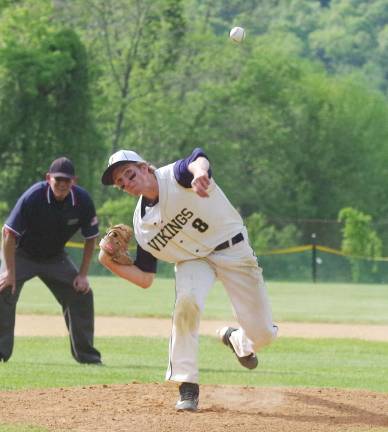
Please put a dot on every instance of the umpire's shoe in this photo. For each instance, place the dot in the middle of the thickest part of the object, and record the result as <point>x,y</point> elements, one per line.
<point>189,397</point>
<point>250,361</point>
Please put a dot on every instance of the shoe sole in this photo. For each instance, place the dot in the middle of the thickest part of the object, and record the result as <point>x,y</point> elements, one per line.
<point>249,362</point>
<point>186,406</point>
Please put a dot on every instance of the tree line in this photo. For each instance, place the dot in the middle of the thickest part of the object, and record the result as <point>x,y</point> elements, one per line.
<point>294,120</point>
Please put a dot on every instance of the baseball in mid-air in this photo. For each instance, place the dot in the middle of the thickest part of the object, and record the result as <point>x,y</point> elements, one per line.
<point>237,34</point>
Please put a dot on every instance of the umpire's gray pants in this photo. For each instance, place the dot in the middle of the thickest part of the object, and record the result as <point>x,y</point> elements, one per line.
<point>58,274</point>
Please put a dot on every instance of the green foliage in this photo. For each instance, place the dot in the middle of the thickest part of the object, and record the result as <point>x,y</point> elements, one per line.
<point>359,238</point>
<point>4,210</point>
<point>264,237</point>
<point>300,142</point>
<point>345,36</point>
<point>289,118</point>
<point>6,3</point>
<point>116,211</point>
<point>136,45</point>
<point>44,98</point>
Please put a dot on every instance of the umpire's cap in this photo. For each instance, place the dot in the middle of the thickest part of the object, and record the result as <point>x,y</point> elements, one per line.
<point>62,167</point>
<point>119,158</point>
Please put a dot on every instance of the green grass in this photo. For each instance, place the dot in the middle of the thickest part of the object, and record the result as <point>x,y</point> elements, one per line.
<point>46,362</point>
<point>21,428</point>
<point>299,302</point>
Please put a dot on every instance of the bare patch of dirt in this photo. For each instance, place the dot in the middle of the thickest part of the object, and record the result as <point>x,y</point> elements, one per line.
<point>150,407</point>
<point>43,325</point>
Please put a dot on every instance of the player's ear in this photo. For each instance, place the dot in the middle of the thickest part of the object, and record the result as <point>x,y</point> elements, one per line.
<point>75,180</point>
<point>142,166</point>
<point>48,176</point>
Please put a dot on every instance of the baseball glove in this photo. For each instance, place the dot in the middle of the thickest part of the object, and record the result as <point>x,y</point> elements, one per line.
<point>115,244</point>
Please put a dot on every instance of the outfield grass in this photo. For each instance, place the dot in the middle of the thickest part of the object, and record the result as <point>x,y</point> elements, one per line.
<point>298,302</point>
<point>21,428</point>
<point>46,362</point>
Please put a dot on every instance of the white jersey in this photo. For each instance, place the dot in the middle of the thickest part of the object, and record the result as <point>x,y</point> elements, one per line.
<point>185,229</point>
<point>182,225</point>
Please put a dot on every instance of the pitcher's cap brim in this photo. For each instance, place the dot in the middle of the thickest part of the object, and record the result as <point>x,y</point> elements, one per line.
<point>121,157</point>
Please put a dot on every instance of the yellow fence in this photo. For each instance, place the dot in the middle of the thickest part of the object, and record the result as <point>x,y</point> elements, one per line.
<point>304,248</point>
<point>284,251</point>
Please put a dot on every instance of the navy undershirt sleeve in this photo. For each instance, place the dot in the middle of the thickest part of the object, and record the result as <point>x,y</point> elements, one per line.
<point>181,171</point>
<point>145,261</point>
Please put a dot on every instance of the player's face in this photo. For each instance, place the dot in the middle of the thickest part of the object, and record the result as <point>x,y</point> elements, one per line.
<point>130,178</point>
<point>60,186</point>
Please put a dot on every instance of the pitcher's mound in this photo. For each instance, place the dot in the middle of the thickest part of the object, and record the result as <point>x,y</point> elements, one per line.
<point>150,407</point>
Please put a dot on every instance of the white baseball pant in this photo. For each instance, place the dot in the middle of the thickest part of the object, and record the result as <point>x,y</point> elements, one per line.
<point>236,267</point>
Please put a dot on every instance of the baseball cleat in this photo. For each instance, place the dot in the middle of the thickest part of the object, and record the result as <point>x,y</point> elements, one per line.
<point>189,393</point>
<point>250,361</point>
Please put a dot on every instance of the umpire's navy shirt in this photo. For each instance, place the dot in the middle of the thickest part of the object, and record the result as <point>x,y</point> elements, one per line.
<point>44,225</point>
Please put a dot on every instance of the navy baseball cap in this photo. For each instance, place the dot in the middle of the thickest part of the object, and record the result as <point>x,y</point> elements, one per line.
<point>119,158</point>
<point>62,167</point>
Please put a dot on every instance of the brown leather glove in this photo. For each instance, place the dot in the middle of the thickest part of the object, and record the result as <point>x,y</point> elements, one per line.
<point>115,244</point>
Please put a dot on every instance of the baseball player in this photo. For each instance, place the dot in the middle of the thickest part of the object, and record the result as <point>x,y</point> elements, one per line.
<point>44,218</point>
<point>183,217</point>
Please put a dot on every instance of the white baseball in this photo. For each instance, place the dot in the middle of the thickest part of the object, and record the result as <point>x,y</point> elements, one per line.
<point>237,34</point>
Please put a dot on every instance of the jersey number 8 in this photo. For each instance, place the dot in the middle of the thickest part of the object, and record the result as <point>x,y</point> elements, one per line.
<point>200,225</point>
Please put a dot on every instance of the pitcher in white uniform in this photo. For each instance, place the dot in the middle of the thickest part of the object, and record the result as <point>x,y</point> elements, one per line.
<point>184,218</point>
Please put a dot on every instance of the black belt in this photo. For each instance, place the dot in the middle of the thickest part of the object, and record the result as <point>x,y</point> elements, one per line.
<point>236,239</point>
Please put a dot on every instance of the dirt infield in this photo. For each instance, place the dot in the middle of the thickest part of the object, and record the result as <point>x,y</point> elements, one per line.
<point>41,325</point>
<point>150,407</point>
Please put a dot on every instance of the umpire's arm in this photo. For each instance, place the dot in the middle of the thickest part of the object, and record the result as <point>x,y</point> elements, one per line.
<point>81,283</point>
<point>89,247</point>
<point>7,277</point>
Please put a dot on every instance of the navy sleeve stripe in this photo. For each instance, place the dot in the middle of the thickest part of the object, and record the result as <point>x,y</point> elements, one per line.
<point>181,168</point>
<point>145,261</point>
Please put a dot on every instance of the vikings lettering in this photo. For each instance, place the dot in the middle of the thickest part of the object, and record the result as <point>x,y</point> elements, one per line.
<point>171,229</point>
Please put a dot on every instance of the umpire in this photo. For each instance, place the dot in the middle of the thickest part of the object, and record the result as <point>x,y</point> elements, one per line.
<point>44,218</point>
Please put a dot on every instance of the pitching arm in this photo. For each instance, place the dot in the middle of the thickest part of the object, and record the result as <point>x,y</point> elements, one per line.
<point>200,170</point>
